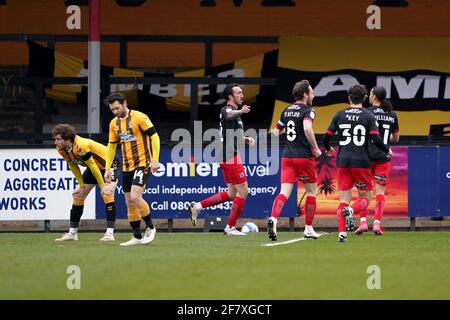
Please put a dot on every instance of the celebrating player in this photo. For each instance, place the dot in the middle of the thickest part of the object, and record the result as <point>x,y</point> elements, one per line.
<point>232,136</point>
<point>380,165</point>
<point>355,127</point>
<point>88,153</point>
<point>133,129</point>
<point>298,158</point>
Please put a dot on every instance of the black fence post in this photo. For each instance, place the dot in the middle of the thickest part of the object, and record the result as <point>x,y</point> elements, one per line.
<point>194,104</point>
<point>104,109</point>
<point>291,224</point>
<point>123,53</point>
<point>412,224</point>
<point>46,225</point>
<point>39,112</point>
<point>208,53</point>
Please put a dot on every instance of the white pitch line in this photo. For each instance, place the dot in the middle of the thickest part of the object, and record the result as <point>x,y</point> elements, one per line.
<point>284,242</point>
<point>289,241</point>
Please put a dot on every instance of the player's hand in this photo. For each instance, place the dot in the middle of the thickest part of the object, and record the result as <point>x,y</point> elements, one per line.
<point>389,154</point>
<point>107,176</point>
<point>108,189</point>
<point>154,166</point>
<point>79,191</point>
<point>317,153</point>
<point>245,109</point>
<point>251,142</point>
<point>330,152</point>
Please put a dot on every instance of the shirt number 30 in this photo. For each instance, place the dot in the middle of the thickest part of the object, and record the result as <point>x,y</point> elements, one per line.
<point>358,136</point>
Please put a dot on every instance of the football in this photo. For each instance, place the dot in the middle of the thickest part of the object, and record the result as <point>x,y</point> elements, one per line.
<point>249,227</point>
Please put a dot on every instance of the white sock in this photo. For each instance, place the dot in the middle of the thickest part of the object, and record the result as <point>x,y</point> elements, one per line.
<point>274,219</point>
<point>363,220</point>
<point>198,206</point>
<point>376,221</point>
<point>308,228</point>
<point>73,230</point>
<point>343,233</point>
<point>110,230</point>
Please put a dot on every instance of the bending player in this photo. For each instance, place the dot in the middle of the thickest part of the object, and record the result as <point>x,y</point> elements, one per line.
<point>88,153</point>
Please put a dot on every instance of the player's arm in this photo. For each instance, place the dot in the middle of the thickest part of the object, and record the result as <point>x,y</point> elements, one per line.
<point>77,173</point>
<point>90,163</point>
<point>113,138</point>
<point>149,129</point>
<point>110,155</point>
<point>309,133</point>
<point>155,142</point>
<point>249,140</point>
<point>328,134</point>
<point>376,139</point>
<point>279,127</point>
<point>395,136</point>
<point>237,113</point>
<point>326,143</point>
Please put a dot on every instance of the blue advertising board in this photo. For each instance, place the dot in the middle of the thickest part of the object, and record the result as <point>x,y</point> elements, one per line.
<point>176,184</point>
<point>429,181</point>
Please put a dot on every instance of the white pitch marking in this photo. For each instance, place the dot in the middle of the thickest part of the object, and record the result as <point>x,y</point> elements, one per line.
<point>289,241</point>
<point>284,242</point>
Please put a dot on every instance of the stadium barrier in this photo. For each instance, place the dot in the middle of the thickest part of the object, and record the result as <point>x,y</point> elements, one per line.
<point>36,184</point>
<point>428,182</point>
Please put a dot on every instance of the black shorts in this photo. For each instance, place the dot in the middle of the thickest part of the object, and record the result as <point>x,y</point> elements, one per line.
<point>137,177</point>
<point>89,178</point>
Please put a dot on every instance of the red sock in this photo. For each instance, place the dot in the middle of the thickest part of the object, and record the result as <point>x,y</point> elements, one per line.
<point>278,205</point>
<point>342,227</point>
<point>363,214</point>
<point>215,199</point>
<point>236,210</point>
<point>360,204</point>
<point>379,208</point>
<point>310,207</point>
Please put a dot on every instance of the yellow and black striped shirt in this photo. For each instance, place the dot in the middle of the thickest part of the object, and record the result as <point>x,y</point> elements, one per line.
<point>135,143</point>
<point>82,150</point>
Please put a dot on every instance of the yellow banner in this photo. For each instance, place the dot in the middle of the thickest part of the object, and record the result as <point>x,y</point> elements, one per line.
<point>415,73</point>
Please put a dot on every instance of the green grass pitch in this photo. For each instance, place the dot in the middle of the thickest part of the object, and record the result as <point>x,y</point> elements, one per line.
<point>191,266</point>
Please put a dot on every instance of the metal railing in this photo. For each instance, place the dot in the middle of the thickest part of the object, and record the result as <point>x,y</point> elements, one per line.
<point>39,83</point>
<point>123,41</point>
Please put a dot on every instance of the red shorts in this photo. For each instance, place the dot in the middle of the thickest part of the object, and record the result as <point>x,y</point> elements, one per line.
<point>302,168</point>
<point>361,178</point>
<point>233,171</point>
<point>380,172</point>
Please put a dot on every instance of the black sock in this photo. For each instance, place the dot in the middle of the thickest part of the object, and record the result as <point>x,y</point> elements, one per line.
<point>136,226</point>
<point>148,221</point>
<point>110,214</point>
<point>75,215</point>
